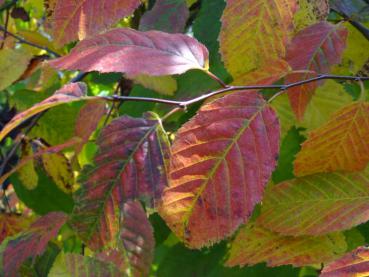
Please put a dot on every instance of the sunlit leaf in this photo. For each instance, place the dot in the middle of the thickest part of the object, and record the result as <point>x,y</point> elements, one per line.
<point>165,85</point>
<point>71,20</point>
<point>353,264</point>
<point>340,144</point>
<point>254,244</point>
<point>12,65</point>
<point>310,12</point>
<point>253,33</point>
<point>75,265</point>
<point>133,52</point>
<point>130,164</point>
<point>167,15</point>
<point>315,49</point>
<point>68,93</point>
<point>213,182</point>
<point>317,204</point>
<point>27,173</point>
<point>31,243</point>
<point>11,224</point>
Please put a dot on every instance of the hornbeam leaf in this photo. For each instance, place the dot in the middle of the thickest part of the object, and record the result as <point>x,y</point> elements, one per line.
<point>130,164</point>
<point>134,53</point>
<point>13,63</point>
<point>74,265</point>
<point>68,93</point>
<point>31,243</point>
<point>315,49</point>
<point>167,15</point>
<point>254,244</point>
<point>353,264</point>
<point>137,239</point>
<point>253,33</point>
<point>221,160</point>
<point>340,144</point>
<point>71,20</point>
<point>317,204</point>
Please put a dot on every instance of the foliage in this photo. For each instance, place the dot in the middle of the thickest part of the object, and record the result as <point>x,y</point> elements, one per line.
<point>189,138</point>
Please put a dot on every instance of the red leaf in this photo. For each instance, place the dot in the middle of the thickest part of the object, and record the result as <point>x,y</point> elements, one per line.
<point>166,15</point>
<point>315,49</point>
<point>31,243</point>
<point>134,52</point>
<point>130,164</point>
<point>72,20</point>
<point>352,264</point>
<point>137,238</point>
<point>221,160</point>
<point>11,224</point>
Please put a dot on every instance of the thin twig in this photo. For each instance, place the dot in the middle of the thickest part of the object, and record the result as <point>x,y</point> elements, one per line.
<point>22,40</point>
<point>186,103</point>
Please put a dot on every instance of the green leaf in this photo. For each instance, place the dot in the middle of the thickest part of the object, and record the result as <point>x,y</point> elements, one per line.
<point>317,204</point>
<point>254,244</point>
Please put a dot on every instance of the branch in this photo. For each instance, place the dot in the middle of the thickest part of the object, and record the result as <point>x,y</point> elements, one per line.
<point>7,6</point>
<point>22,40</point>
<point>282,88</point>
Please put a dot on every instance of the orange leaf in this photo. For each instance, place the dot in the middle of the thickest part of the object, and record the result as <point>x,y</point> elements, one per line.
<point>340,144</point>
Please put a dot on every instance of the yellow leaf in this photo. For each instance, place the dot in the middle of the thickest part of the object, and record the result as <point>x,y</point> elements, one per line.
<point>27,174</point>
<point>165,85</point>
<point>12,65</point>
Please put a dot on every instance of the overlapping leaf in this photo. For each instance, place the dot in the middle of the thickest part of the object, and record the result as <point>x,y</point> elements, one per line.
<point>68,93</point>
<point>221,160</point>
<point>30,243</point>
<point>353,264</point>
<point>130,164</point>
<point>310,12</point>
<point>316,49</point>
<point>255,33</point>
<point>71,20</point>
<point>74,265</point>
<point>12,65</point>
<point>137,239</point>
<point>317,204</point>
<point>11,224</point>
<point>254,244</point>
<point>134,53</point>
<point>167,15</point>
<point>354,9</point>
<point>340,144</point>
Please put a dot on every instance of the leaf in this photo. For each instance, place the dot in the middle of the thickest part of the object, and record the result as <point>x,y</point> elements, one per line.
<point>130,164</point>
<point>134,53</point>
<point>206,28</point>
<point>12,65</point>
<point>317,204</point>
<point>167,15</point>
<point>254,244</point>
<point>75,265</point>
<point>46,197</point>
<point>340,144</point>
<point>31,243</point>
<point>59,169</point>
<point>71,20</point>
<point>68,93</point>
<point>328,98</point>
<point>11,224</point>
<point>325,47</point>
<point>310,12</point>
<point>253,33</point>
<point>27,173</point>
<point>88,120</point>
<point>289,148</point>
<point>356,53</point>
<point>213,186</point>
<point>165,85</point>
<point>355,263</point>
<point>137,239</point>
